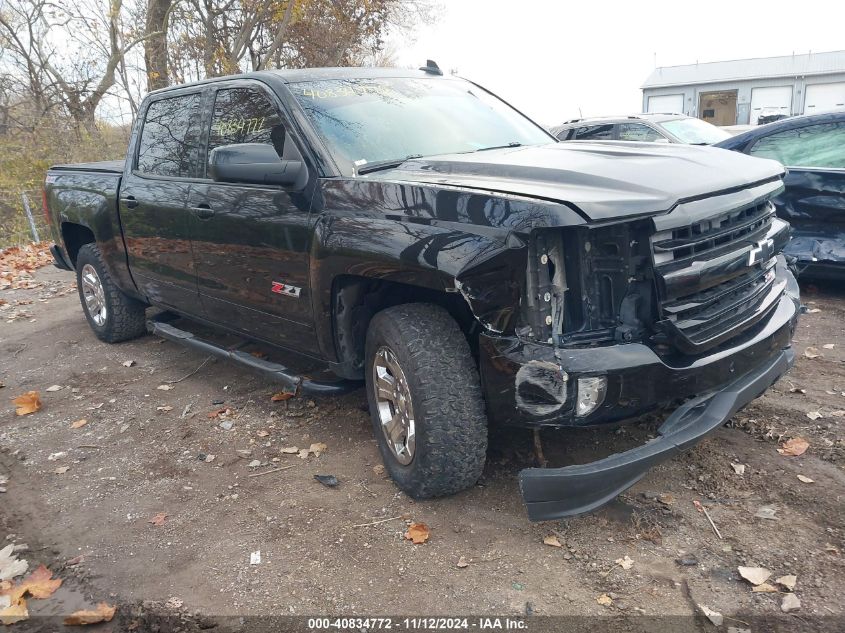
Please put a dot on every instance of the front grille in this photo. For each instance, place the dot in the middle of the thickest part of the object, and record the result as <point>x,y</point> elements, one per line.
<point>716,276</point>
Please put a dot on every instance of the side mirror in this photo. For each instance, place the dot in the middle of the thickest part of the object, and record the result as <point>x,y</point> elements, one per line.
<point>661,140</point>
<point>253,163</point>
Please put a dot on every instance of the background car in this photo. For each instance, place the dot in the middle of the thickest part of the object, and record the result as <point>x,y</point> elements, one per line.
<point>813,149</point>
<point>652,127</point>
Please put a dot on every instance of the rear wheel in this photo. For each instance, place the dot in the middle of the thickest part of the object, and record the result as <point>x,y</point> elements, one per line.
<point>112,315</point>
<point>425,400</point>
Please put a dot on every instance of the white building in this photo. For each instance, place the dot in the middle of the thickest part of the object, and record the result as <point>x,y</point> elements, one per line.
<point>736,92</point>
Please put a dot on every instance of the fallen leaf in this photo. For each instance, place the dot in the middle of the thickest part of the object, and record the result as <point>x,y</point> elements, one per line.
<point>158,519</point>
<point>28,403</point>
<point>79,424</point>
<point>754,575</point>
<point>39,584</point>
<point>16,612</point>
<point>798,390</point>
<point>813,310</point>
<point>811,352</point>
<point>462,562</point>
<point>814,415</point>
<point>289,450</point>
<point>282,395</point>
<point>165,387</point>
<point>794,447</point>
<point>805,479</point>
<point>75,561</point>
<point>764,588</point>
<point>378,469</point>
<point>625,562</point>
<point>61,470</point>
<point>217,413</point>
<point>829,345</point>
<point>53,388</point>
<point>787,581</point>
<point>103,613</point>
<point>10,565</point>
<point>552,541</point>
<point>715,617</point>
<point>315,449</point>
<point>831,549</point>
<point>739,469</point>
<point>418,533</point>
<point>164,408</point>
<point>789,603</point>
<point>604,600</point>
<point>262,434</point>
<point>766,512</point>
<point>129,363</point>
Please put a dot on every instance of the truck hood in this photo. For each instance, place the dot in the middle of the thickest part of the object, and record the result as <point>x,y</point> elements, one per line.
<point>603,180</point>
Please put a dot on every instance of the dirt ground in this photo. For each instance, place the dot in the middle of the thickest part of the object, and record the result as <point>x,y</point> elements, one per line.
<point>82,498</point>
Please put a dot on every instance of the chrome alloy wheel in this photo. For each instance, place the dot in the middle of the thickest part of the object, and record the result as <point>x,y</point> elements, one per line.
<point>94,295</point>
<point>395,410</point>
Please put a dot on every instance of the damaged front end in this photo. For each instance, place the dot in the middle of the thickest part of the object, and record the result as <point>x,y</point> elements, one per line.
<point>692,310</point>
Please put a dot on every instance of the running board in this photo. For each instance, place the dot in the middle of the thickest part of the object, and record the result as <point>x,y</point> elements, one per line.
<point>294,383</point>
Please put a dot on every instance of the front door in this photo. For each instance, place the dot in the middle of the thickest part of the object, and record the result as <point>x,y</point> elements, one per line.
<point>815,188</point>
<point>154,199</point>
<point>251,242</point>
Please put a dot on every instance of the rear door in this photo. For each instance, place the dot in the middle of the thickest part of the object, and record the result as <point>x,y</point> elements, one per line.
<point>814,199</point>
<point>154,200</point>
<point>251,241</point>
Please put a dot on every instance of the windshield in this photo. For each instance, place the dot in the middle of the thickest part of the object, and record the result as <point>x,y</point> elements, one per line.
<point>370,120</point>
<point>695,131</point>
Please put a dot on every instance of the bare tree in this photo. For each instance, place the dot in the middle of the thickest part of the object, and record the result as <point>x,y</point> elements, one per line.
<point>70,56</point>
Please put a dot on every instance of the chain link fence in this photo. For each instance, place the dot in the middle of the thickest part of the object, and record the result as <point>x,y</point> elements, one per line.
<point>21,217</point>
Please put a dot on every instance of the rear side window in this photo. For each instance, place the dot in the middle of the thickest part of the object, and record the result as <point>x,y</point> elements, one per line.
<point>247,115</point>
<point>566,134</point>
<point>595,132</point>
<point>821,145</point>
<point>170,137</point>
<point>638,132</point>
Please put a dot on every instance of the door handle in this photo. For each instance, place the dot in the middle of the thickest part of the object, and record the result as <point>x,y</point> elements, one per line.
<point>203,211</point>
<point>130,202</point>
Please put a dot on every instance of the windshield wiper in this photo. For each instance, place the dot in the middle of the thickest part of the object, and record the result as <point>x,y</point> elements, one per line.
<point>385,164</point>
<point>511,144</point>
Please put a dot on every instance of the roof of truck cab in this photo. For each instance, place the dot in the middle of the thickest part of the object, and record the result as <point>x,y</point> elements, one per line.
<point>298,75</point>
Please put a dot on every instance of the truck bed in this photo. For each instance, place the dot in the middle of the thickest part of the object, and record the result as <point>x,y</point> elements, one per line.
<point>109,166</point>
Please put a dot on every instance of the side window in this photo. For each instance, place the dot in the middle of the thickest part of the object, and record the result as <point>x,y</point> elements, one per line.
<point>595,132</point>
<point>170,137</point>
<point>638,132</point>
<point>821,145</point>
<point>247,115</point>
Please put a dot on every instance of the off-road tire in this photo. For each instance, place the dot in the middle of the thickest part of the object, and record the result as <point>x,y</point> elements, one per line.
<point>125,316</point>
<point>451,425</point>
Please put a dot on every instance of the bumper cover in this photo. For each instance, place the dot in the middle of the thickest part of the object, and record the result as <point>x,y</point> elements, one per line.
<point>561,492</point>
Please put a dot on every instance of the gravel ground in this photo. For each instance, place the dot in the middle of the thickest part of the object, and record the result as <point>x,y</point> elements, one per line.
<point>203,444</point>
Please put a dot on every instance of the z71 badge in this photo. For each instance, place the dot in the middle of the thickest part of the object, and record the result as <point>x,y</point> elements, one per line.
<point>282,288</point>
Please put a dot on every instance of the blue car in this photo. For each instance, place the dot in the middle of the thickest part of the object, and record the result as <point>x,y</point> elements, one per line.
<point>813,149</point>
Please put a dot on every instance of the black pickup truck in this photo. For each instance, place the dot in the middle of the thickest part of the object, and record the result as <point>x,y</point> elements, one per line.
<point>414,232</point>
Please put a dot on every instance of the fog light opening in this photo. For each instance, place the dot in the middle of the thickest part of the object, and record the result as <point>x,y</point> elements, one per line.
<point>591,392</point>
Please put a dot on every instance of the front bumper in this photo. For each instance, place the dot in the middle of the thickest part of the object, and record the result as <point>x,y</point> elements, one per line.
<point>553,493</point>
<point>533,385</point>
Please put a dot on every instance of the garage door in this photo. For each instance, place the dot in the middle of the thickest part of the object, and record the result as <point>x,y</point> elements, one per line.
<point>775,99</point>
<point>666,103</point>
<point>823,97</point>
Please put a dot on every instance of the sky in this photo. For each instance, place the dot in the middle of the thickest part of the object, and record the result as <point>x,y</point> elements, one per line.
<point>558,60</point>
